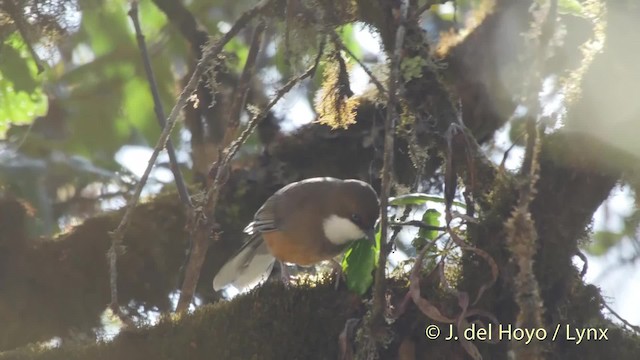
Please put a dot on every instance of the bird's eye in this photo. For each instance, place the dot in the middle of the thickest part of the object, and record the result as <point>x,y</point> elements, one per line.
<point>356,219</point>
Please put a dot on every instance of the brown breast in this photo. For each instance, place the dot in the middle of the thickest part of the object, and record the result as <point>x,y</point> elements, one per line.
<point>297,251</point>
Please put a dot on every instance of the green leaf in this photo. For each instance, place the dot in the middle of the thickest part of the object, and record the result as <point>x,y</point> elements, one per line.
<point>99,127</point>
<point>347,35</point>
<point>241,52</point>
<point>418,199</point>
<point>15,68</point>
<point>567,7</point>
<point>108,29</point>
<point>603,241</point>
<point>411,67</point>
<point>570,7</point>
<point>152,20</point>
<point>358,264</point>
<point>21,97</point>
<point>19,107</point>
<point>138,111</point>
<point>430,217</point>
<point>377,246</point>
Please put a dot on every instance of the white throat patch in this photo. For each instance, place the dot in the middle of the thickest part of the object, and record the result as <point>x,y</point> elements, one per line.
<point>341,230</point>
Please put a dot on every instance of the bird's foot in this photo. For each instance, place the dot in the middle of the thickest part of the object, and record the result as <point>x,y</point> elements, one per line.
<point>337,272</point>
<point>284,274</point>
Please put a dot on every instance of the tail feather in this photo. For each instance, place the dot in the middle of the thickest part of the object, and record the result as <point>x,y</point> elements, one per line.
<point>250,265</point>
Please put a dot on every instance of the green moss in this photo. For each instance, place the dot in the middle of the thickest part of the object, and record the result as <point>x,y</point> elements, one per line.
<point>271,322</point>
<point>71,273</point>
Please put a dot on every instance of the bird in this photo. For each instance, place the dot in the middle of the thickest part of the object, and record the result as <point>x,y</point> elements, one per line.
<point>304,223</point>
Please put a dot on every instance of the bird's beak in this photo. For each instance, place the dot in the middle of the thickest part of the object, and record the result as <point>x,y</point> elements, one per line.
<point>371,235</point>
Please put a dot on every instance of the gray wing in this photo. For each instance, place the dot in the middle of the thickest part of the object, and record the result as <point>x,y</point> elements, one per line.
<point>253,261</point>
<point>264,219</point>
<point>251,264</point>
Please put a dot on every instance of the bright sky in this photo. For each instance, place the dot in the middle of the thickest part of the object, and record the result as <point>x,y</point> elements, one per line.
<point>620,284</point>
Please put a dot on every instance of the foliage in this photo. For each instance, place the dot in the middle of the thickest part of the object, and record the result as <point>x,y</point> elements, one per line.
<point>336,106</point>
<point>21,96</point>
<point>359,262</point>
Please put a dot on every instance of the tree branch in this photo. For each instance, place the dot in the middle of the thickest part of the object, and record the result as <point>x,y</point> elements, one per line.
<point>157,107</point>
<point>210,53</point>
<point>395,84</point>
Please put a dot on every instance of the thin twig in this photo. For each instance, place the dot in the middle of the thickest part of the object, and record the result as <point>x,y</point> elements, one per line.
<point>201,237</point>
<point>289,18</point>
<point>26,135</point>
<point>419,224</point>
<point>316,62</point>
<point>233,148</point>
<point>505,156</point>
<point>336,39</point>
<point>387,167</point>
<point>585,262</point>
<point>635,328</point>
<point>520,229</point>
<point>211,52</point>
<point>183,193</point>
<point>398,227</point>
<point>18,19</point>
<point>242,89</point>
